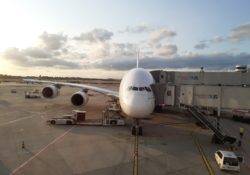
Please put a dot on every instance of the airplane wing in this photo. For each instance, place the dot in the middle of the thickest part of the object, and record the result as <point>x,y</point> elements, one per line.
<point>82,86</point>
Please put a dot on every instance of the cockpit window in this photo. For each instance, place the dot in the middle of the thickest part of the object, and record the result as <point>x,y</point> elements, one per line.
<point>135,88</point>
<point>130,88</point>
<point>141,88</point>
<point>148,89</point>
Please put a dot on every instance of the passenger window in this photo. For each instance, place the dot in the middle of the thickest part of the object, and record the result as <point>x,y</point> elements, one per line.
<point>141,88</point>
<point>168,93</point>
<point>135,88</point>
<point>231,161</point>
<point>219,154</point>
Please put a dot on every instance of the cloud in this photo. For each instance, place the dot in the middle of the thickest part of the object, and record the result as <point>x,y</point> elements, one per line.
<point>123,49</point>
<point>53,41</point>
<point>97,47</point>
<point>237,34</point>
<point>105,50</point>
<point>15,55</point>
<point>201,45</point>
<point>141,28</point>
<point>166,50</point>
<point>240,33</point>
<point>57,51</point>
<point>31,57</point>
<point>218,61</point>
<point>160,35</point>
<point>99,50</point>
<point>95,35</point>
<point>36,52</point>
<point>218,39</point>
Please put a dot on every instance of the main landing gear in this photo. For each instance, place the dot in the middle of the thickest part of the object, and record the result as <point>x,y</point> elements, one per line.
<point>136,128</point>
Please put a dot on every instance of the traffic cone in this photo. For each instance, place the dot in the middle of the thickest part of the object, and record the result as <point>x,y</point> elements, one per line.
<point>23,145</point>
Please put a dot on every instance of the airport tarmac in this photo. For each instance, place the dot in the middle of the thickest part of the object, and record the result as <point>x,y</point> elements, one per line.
<point>169,144</point>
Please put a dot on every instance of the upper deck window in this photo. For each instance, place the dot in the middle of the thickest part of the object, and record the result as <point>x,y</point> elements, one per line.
<point>133,88</point>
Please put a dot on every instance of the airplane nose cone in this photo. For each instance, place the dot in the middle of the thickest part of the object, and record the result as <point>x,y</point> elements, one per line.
<point>139,107</point>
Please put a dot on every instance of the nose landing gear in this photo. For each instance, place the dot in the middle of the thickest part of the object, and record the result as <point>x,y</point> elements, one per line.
<point>136,128</point>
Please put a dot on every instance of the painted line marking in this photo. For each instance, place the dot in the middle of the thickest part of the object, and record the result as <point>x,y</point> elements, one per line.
<point>17,120</point>
<point>204,158</point>
<point>23,118</point>
<point>42,150</point>
<point>136,155</point>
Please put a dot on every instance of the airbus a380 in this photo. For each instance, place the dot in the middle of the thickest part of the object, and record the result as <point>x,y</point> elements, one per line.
<point>135,95</point>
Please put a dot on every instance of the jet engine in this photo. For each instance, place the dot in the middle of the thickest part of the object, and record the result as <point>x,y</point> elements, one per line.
<point>79,98</point>
<point>50,91</point>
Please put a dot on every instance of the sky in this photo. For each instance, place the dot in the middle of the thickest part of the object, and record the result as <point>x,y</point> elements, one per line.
<point>101,38</point>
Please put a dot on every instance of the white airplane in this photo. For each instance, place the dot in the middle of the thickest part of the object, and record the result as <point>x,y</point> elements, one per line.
<point>135,95</point>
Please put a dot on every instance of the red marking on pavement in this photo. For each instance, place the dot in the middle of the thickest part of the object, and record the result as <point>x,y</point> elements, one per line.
<point>37,154</point>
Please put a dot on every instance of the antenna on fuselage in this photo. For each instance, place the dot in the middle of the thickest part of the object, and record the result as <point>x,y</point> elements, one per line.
<point>138,56</point>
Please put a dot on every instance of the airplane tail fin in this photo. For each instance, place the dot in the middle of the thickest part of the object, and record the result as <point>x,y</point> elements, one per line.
<point>138,56</point>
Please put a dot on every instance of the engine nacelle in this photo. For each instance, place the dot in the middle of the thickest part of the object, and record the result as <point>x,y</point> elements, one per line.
<point>50,91</point>
<point>79,98</point>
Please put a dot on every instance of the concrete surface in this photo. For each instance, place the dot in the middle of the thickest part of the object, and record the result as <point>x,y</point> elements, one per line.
<point>167,146</point>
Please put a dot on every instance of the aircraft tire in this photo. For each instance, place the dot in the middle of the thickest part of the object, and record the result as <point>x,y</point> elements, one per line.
<point>133,130</point>
<point>53,122</point>
<point>140,131</point>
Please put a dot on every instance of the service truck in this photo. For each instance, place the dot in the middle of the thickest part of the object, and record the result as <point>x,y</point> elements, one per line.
<point>75,118</point>
<point>241,114</point>
<point>78,118</point>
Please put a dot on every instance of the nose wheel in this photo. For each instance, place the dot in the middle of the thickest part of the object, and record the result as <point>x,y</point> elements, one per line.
<point>136,130</point>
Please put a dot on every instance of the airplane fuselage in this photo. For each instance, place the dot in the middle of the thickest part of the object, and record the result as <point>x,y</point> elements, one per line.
<point>135,94</point>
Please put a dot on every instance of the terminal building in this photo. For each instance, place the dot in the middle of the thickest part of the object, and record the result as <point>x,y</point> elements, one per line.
<point>220,92</point>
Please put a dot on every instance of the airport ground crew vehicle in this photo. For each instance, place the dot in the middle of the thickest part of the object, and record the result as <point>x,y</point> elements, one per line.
<point>241,115</point>
<point>77,117</point>
<point>228,160</point>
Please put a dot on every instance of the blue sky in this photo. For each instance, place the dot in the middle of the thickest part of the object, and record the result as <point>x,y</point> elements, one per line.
<point>183,29</point>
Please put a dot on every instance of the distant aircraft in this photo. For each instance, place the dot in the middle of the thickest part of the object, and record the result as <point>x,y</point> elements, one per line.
<point>135,95</point>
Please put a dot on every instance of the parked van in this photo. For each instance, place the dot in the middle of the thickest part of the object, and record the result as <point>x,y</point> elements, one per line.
<point>227,160</point>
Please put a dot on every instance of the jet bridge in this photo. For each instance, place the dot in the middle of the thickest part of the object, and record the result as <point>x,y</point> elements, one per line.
<point>219,136</point>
